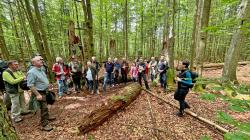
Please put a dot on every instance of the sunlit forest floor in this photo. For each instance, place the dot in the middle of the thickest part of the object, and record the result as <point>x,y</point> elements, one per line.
<point>134,122</point>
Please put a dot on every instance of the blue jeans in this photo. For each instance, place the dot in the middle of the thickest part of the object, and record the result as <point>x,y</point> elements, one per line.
<point>163,80</point>
<point>62,87</point>
<point>107,78</point>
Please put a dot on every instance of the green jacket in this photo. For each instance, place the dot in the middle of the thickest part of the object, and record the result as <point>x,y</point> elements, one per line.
<point>11,84</point>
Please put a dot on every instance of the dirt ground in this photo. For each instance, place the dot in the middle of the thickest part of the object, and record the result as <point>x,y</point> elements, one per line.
<point>134,122</point>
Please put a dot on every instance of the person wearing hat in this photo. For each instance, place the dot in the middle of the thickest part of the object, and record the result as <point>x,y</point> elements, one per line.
<point>38,83</point>
<point>12,77</point>
<point>184,82</point>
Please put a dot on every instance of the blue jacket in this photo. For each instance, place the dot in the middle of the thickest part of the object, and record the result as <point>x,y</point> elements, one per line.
<point>109,67</point>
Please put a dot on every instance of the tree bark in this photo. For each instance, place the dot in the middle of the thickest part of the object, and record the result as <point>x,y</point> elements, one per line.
<point>43,34</point>
<point>3,47</point>
<point>239,35</point>
<point>196,31</point>
<point>7,131</point>
<point>115,103</point>
<point>202,38</point>
<point>89,29</point>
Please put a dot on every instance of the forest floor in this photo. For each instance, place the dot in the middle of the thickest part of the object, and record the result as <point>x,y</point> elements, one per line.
<point>134,122</point>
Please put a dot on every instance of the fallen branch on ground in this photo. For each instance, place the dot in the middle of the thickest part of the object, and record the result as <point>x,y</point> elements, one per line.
<point>116,103</point>
<point>221,129</point>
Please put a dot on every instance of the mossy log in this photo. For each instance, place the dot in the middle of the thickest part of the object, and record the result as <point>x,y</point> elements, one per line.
<point>7,131</point>
<point>115,103</point>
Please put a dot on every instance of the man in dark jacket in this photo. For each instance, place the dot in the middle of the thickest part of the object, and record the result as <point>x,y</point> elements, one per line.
<point>124,70</point>
<point>97,66</point>
<point>162,69</point>
<point>141,73</point>
<point>184,83</point>
<point>108,74</point>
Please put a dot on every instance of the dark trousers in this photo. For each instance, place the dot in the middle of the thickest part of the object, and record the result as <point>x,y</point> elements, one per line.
<point>77,82</point>
<point>163,80</point>
<point>116,79</point>
<point>92,85</point>
<point>180,95</point>
<point>140,76</point>
<point>124,78</point>
<point>44,109</point>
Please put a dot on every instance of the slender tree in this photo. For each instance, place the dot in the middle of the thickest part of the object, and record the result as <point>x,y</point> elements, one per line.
<point>238,40</point>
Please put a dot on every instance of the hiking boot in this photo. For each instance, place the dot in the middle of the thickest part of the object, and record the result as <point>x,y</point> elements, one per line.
<point>47,128</point>
<point>51,118</point>
<point>179,114</point>
<point>18,119</point>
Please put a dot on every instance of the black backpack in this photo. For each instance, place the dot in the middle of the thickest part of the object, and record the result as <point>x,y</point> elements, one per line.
<point>194,76</point>
<point>3,67</point>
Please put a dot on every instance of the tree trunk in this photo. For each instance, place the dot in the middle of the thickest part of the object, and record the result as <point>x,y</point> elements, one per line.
<point>17,34</point>
<point>89,29</point>
<point>101,35</point>
<point>115,103</point>
<point>24,29</point>
<point>196,31</point>
<point>239,35</point>
<point>43,34</point>
<point>34,27</point>
<point>3,47</point>
<point>7,131</point>
<point>202,38</point>
<point>126,28</point>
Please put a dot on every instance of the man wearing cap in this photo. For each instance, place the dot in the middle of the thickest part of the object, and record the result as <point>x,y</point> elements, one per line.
<point>184,82</point>
<point>12,77</point>
<point>38,83</point>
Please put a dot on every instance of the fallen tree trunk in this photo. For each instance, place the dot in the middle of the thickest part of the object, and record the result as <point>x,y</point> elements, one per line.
<point>115,103</point>
<point>220,65</point>
<point>221,129</point>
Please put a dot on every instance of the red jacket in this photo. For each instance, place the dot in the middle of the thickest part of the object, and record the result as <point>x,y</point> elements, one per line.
<point>56,70</point>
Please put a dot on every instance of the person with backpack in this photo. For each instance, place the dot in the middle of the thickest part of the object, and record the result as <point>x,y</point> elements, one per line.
<point>62,74</point>
<point>184,81</point>
<point>142,73</point>
<point>153,68</point>
<point>76,73</point>
<point>162,70</point>
<point>12,77</point>
<point>108,72</point>
<point>38,83</point>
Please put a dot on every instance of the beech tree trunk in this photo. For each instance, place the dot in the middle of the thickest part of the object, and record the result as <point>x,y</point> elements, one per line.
<point>7,131</point>
<point>115,103</point>
<point>202,38</point>
<point>239,35</point>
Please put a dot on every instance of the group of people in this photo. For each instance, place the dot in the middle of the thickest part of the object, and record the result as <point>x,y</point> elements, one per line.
<point>115,72</point>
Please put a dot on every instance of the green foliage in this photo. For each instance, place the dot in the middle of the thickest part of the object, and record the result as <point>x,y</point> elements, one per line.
<point>91,137</point>
<point>205,138</point>
<point>225,118</point>
<point>236,136</point>
<point>208,96</point>
<point>243,129</point>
